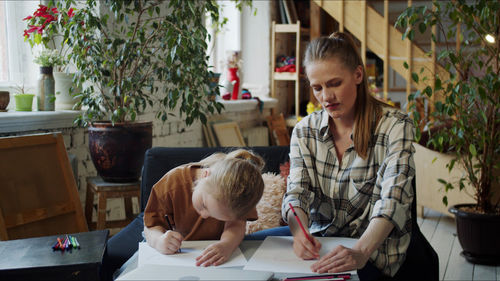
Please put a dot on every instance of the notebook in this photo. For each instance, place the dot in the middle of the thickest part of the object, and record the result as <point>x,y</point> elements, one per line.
<point>168,272</point>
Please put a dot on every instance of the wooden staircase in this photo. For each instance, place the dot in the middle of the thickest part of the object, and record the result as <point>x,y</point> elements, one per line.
<point>374,32</point>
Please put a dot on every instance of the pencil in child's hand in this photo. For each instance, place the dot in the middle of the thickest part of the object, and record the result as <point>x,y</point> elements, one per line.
<point>170,226</point>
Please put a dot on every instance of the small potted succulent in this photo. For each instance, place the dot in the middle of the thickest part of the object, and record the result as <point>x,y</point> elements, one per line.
<point>24,100</point>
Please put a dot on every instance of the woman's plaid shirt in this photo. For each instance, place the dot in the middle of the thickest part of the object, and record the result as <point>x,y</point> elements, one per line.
<point>341,199</point>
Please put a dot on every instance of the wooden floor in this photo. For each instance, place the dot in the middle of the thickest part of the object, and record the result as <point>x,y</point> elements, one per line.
<point>440,231</point>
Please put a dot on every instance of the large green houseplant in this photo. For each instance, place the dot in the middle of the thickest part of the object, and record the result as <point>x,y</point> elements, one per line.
<point>140,55</point>
<point>466,103</point>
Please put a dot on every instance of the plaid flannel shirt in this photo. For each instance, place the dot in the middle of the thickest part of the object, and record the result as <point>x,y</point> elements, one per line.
<point>341,199</point>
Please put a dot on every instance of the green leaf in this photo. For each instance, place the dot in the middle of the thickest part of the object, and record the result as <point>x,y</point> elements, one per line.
<point>422,27</point>
<point>472,150</point>
<point>445,200</point>
<point>405,64</point>
<point>414,76</point>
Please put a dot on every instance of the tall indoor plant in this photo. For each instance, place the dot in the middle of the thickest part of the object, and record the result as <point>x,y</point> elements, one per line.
<point>139,55</point>
<point>466,101</point>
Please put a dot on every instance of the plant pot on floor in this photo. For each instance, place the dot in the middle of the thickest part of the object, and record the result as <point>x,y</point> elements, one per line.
<point>24,102</point>
<point>479,235</point>
<point>118,151</point>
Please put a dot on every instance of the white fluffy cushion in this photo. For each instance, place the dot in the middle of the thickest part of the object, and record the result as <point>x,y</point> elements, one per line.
<point>269,206</point>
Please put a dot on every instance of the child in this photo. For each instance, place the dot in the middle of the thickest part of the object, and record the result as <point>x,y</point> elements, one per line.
<point>208,200</point>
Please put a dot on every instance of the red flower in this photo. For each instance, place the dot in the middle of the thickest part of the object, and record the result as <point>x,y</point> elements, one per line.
<point>32,28</point>
<point>28,18</point>
<point>54,10</point>
<point>70,12</point>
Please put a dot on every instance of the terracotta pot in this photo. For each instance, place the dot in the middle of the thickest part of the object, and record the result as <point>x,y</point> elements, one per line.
<point>478,235</point>
<point>4,100</point>
<point>118,151</point>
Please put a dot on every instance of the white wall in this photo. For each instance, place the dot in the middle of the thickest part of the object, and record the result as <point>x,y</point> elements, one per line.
<point>255,44</point>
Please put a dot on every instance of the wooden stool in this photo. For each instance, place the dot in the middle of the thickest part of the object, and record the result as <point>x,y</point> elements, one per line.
<point>107,190</point>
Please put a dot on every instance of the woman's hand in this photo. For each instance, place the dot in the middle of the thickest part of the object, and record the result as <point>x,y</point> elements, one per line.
<point>304,249</point>
<point>339,260</point>
<point>169,242</point>
<point>215,254</point>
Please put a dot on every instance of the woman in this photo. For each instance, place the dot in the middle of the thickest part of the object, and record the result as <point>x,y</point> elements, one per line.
<point>351,168</point>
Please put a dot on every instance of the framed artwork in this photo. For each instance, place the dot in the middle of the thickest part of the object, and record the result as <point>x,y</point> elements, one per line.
<point>228,134</point>
<point>38,193</point>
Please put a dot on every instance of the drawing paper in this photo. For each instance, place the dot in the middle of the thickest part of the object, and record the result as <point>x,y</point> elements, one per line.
<point>276,254</point>
<point>165,272</point>
<point>190,250</point>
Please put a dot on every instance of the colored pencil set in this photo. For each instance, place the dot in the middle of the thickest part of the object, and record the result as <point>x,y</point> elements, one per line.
<point>68,243</point>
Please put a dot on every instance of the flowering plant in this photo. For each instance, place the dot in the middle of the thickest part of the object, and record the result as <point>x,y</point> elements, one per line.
<point>49,57</point>
<point>45,26</point>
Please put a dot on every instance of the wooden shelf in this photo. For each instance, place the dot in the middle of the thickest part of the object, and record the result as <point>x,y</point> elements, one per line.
<point>287,28</point>
<point>288,76</point>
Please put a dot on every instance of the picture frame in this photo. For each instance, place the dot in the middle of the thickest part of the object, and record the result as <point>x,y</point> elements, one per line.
<point>38,194</point>
<point>228,134</point>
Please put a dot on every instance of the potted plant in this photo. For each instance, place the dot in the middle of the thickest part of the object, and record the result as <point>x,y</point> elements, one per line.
<point>47,59</point>
<point>466,101</point>
<point>45,27</point>
<point>24,101</point>
<point>135,56</point>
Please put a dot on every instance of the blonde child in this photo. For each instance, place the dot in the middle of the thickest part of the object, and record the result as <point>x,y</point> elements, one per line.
<point>208,200</point>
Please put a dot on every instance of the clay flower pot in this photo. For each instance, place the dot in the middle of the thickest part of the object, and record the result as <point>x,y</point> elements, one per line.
<point>4,100</point>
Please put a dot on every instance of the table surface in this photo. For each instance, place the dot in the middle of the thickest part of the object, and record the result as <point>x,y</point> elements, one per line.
<point>37,252</point>
<point>247,247</point>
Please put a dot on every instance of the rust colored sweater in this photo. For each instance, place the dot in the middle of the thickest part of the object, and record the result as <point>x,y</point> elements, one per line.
<point>171,195</point>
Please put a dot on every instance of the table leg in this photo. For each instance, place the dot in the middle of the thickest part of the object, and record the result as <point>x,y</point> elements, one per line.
<point>89,204</point>
<point>128,208</point>
<point>101,210</point>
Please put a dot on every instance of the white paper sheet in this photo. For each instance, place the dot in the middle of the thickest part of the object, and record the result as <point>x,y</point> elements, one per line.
<point>276,254</point>
<point>187,257</point>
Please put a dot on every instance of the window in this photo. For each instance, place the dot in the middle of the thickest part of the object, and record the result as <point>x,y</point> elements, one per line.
<point>16,59</point>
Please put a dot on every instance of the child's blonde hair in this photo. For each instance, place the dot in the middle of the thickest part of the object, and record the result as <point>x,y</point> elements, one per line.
<point>368,109</point>
<point>237,179</point>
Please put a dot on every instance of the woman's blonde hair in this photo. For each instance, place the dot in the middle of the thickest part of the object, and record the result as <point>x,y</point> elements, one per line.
<point>368,110</point>
<point>237,179</point>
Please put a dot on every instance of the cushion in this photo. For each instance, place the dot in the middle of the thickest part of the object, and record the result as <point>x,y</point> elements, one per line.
<point>269,206</point>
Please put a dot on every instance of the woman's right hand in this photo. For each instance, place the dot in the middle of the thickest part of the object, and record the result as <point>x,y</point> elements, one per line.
<point>304,249</point>
<point>169,242</point>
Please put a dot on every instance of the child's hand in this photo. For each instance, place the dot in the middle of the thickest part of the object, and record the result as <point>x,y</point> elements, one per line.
<point>169,242</point>
<point>215,254</point>
<point>304,249</point>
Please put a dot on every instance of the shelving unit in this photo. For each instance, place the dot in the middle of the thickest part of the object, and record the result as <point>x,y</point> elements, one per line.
<point>287,76</point>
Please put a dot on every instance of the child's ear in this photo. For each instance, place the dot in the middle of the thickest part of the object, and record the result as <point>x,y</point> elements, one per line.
<point>358,74</point>
<point>205,173</point>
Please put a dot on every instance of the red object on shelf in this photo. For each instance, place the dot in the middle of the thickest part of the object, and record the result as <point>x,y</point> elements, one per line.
<point>235,80</point>
<point>286,68</point>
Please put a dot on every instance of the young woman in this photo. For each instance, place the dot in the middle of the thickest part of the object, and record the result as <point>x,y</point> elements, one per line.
<point>208,200</point>
<point>351,168</point>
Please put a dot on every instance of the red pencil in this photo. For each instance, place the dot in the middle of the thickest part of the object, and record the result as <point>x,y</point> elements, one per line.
<point>300,224</point>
